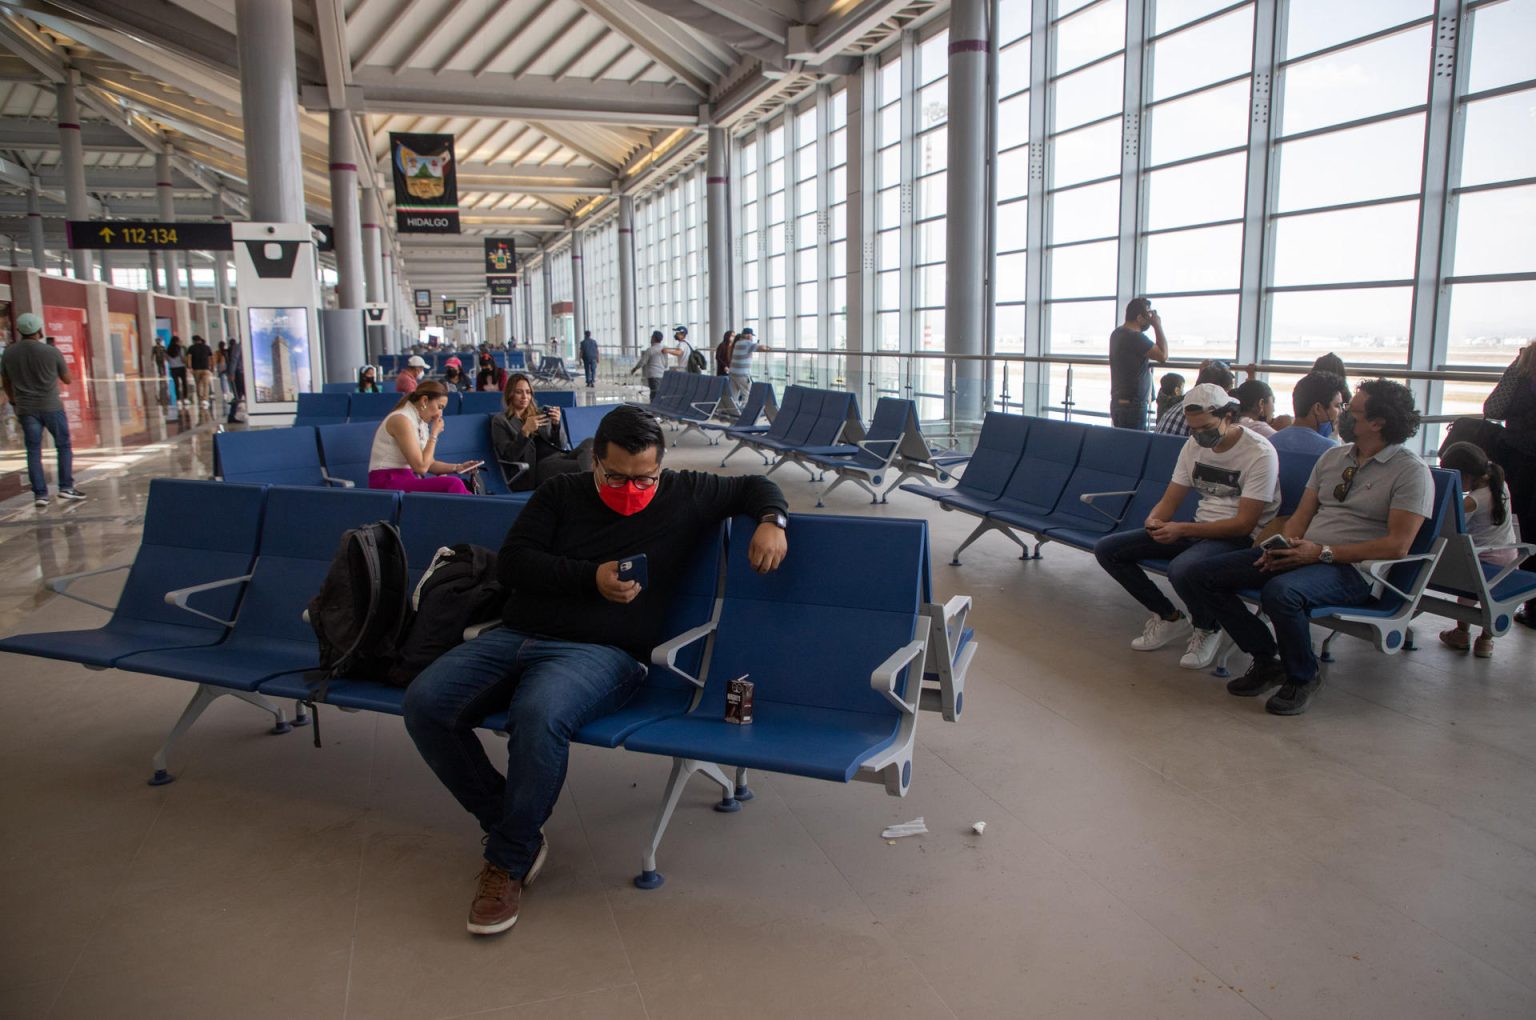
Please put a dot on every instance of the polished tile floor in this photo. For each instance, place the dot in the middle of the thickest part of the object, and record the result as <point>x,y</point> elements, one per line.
<point>1153,848</point>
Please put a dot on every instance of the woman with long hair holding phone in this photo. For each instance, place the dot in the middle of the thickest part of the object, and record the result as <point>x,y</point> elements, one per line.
<point>405,443</point>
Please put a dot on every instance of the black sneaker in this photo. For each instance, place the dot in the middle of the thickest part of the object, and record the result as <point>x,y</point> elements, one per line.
<point>41,502</point>
<point>1263,675</point>
<point>73,494</point>
<point>1292,698</point>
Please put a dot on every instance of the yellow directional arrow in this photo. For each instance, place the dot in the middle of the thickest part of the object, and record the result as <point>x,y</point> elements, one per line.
<point>106,234</point>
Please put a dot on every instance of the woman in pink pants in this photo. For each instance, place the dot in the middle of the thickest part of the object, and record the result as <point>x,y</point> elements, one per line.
<point>402,456</point>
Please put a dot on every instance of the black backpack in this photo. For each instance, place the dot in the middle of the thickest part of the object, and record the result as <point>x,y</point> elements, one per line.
<point>697,363</point>
<point>360,613</point>
<point>458,589</point>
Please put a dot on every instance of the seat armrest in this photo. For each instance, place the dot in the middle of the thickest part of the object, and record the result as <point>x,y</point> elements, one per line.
<point>474,630</point>
<point>340,483</point>
<point>1378,569</point>
<point>180,597</point>
<point>883,679</point>
<point>665,654</point>
<point>1523,550</point>
<point>1089,497</point>
<point>60,585</point>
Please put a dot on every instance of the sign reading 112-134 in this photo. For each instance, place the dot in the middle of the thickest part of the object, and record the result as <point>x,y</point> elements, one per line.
<point>132,235</point>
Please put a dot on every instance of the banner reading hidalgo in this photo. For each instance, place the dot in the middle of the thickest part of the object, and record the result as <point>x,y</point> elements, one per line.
<point>426,184</point>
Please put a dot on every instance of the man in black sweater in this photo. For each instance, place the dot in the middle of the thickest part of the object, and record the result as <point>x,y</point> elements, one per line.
<point>575,639</point>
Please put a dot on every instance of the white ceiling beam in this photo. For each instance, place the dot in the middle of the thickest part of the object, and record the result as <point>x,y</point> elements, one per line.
<point>620,17</point>
<point>747,14</point>
<point>597,158</point>
<point>332,28</point>
<point>530,98</point>
<point>843,30</point>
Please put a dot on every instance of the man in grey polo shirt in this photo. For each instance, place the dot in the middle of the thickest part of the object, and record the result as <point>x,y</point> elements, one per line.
<point>31,374</point>
<point>1364,501</point>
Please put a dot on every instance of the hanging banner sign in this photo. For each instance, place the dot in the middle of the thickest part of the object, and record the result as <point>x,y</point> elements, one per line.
<point>134,235</point>
<point>501,286</point>
<point>463,313</point>
<point>422,318</point>
<point>502,301</point>
<point>500,256</point>
<point>423,298</point>
<point>445,320</point>
<point>450,306</point>
<point>426,183</point>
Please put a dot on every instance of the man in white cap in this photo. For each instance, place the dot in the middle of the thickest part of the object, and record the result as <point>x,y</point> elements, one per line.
<point>410,375</point>
<point>1237,474</point>
<point>31,374</point>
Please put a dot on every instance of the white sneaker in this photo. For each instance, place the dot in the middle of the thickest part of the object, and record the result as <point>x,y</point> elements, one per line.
<point>1202,648</point>
<point>1159,632</point>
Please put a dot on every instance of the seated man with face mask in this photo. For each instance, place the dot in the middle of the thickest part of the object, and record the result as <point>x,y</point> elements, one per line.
<point>576,638</point>
<point>1237,475</point>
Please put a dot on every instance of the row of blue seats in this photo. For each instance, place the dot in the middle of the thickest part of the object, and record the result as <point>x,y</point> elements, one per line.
<point>336,408</point>
<point>223,608</point>
<point>337,455</point>
<point>1073,484</point>
<point>512,361</point>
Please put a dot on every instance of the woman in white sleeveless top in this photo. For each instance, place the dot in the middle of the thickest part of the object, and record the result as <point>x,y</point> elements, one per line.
<point>402,456</point>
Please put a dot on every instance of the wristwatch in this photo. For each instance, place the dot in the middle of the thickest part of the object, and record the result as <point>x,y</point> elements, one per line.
<point>775,518</point>
<point>1326,555</point>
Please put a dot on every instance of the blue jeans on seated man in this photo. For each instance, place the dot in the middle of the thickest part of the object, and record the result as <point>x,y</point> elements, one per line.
<point>1286,597</point>
<point>1121,554</point>
<point>57,426</point>
<point>550,690</point>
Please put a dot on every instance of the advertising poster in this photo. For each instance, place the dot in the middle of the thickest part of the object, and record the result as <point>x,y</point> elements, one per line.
<point>280,351</point>
<point>426,183</point>
<point>66,330</point>
<point>423,298</point>
<point>124,328</point>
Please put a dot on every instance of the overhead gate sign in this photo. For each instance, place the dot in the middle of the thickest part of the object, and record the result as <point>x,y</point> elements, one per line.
<point>426,183</point>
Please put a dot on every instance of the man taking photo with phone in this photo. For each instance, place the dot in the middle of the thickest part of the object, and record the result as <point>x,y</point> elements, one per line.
<point>576,636</point>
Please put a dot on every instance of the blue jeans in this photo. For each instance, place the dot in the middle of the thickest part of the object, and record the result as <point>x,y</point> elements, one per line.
<point>1131,414</point>
<point>1120,555</point>
<point>32,426</point>
<point>591,370</point>
<point>550,690</point>
<point>1287,598</point>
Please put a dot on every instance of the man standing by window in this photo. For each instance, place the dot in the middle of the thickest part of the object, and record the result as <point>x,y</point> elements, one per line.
<point>1131,354</point>
<point>741,364</point>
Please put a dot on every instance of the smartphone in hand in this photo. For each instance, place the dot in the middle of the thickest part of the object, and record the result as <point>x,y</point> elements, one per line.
<point>1274,542</point>
<point>474,466</point>
<point>634,568</point>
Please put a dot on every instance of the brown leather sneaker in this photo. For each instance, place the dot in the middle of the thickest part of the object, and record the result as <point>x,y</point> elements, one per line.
<point>494,908</point>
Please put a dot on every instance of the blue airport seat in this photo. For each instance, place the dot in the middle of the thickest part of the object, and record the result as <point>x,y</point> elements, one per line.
<point>282,456</point>
<point>371,406</point>
<point>322,408</point>
<point>338,387</point>
<point>1109,460</point>
<point>997,453</point>
<point>346,449</point>
<point>480,403</point>
<point>171,555</point>
<point>556,398</point>
<point>760,401</point>
<point>468,437</point>
<point>1126,508</point>
<point>580,423</point>
<point>866,462</point>
<point>829,641</point>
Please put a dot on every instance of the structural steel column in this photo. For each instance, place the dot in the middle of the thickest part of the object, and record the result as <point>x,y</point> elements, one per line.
<point>1034,389</point>
<point>549,292</point>
<point>717,188</point>
<point>72,156</point>
<point>1129,275</point>
<point>966,224</point>
<point>165,196</point>
<point>373,263</point>
<point>628,339</point>
<point>269,104</point>
<point>527,309</point>
<point>1258,188</point>
<point>578,289</point>
<point>861,223</point>
<point>220,258</point>
<point>345,221</point>
<point>35,225</point>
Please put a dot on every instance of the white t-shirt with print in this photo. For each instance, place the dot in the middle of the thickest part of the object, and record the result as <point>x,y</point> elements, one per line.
<point>1485,533</point>
<point>1250,470</point>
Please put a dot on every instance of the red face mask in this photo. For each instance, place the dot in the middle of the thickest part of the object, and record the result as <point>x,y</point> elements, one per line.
<point>628,499</point>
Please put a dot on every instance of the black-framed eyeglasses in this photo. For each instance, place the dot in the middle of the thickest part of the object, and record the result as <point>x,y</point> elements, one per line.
<point>618,481</point>
<point>1342,489</point>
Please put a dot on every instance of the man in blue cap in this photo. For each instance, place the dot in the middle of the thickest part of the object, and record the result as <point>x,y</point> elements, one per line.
<point>31,374</point>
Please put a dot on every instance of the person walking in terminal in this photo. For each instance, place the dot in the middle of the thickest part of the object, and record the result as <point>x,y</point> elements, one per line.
<point>1237,475</point>
<point>575,638</point>
<point>409,377</point>
<point>1317,400</point>
<point>200,357</point>
<point>1174,422</point>
<point>405,441</point>
<point>589,357</point>
<point>1131,353</point>
<point>742,349</point>
<point>31,374</point>
<point>652,364</point>
<point>1365,500</point>
<point>524,433</point>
